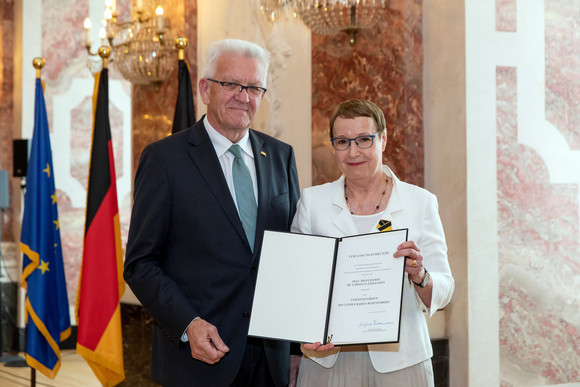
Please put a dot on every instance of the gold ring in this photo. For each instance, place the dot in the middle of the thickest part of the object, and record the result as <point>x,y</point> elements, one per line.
<point>414,263</point>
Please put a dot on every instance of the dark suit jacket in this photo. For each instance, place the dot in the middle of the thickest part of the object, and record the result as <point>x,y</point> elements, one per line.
<point>187,253</point>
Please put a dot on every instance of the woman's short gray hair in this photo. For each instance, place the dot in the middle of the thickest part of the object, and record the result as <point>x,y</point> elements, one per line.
<point>235,46</point>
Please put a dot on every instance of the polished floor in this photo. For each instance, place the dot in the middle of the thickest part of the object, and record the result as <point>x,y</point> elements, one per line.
<point>73,372</point>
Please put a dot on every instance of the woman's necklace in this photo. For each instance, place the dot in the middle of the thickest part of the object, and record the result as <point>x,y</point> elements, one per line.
<point>380,199</point>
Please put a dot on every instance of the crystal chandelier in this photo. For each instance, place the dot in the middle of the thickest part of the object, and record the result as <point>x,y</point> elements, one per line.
<point>328,17</point>
<point>142,50</point>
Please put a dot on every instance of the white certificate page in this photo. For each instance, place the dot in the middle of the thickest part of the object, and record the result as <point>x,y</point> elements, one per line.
<point>293,287</point>
<point>367,290</point>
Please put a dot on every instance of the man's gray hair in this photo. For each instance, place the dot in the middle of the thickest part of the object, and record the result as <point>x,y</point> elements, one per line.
<point>235,46</point>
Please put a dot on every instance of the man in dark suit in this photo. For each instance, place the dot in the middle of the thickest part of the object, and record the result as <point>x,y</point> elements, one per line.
<point>194,245</point>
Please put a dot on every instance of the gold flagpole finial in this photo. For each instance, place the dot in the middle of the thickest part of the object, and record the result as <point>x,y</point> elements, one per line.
<point>38,64</point>
<point>105,53</point>
<point>181,44</point>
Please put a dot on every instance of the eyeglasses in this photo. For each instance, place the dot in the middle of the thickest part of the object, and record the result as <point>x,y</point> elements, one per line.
<point>363,142</point>
<point>254,91</point>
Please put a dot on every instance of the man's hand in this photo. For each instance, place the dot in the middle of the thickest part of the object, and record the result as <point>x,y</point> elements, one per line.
<point>205,342</point>
<point>294,368</point>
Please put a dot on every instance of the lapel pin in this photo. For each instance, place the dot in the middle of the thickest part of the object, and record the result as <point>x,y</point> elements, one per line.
<point>384,225</point>
<point>263,153</point>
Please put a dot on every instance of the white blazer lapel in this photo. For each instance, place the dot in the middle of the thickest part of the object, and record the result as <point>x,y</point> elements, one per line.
<point>395,205</point>
<point>343,219</point>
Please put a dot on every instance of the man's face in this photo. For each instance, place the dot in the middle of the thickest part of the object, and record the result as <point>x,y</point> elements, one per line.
<point>232,112</point>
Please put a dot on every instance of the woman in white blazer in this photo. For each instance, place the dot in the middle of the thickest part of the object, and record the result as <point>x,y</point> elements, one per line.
<point>365,194</point>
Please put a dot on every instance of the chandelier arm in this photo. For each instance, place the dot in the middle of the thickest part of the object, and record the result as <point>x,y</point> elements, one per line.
<point>139,48</point>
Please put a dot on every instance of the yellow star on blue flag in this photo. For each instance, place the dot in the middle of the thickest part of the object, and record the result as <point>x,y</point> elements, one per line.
<point>44,267</point>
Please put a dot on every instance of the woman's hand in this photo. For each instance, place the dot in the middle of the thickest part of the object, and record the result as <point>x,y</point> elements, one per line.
<point>318,347</point>
<point>415,270</point>
<point>414,260</point>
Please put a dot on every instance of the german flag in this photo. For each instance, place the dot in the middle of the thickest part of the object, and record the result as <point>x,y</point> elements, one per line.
<point>101,280</point>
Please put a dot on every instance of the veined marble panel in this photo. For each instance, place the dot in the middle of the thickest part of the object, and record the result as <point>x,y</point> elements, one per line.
<point>538,200</point>
<point>562,43</point>
<point>505,15</point>
<point>523,194</point>
<point>538,258</point>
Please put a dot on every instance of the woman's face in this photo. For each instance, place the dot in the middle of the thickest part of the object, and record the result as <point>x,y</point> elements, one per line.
<point>355,163</point>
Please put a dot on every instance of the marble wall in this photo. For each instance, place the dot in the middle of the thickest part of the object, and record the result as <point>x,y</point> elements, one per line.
<point>538,206</point>
<point>523,154</point>
<point>6,105</point>
<point>385,65</point>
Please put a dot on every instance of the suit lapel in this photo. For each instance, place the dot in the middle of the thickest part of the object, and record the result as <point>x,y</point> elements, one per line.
<point>204,157</point>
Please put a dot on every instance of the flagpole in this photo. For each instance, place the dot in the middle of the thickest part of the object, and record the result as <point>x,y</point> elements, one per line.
<point>38,64</point>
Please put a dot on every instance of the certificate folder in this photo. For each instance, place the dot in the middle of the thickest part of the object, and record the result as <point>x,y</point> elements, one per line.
<point>321,289</point>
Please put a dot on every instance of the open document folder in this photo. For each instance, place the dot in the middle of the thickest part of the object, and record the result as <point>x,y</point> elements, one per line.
<point>322,289</point>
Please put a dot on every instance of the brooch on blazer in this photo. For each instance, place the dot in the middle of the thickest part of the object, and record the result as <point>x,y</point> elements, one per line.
<point>384,225</point>
<point>263,153</point>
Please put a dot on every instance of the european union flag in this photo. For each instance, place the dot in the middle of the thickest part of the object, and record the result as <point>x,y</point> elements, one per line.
<point>47,308</point>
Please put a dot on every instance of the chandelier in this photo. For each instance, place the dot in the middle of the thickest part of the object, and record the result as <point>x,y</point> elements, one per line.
<point>328,17</point>
<point>142,50</point>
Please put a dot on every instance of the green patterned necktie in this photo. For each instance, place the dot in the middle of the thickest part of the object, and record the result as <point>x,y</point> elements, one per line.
<point>245,197</point>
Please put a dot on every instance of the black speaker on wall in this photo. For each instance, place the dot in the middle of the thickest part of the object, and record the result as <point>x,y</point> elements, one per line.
<point>20,153</point>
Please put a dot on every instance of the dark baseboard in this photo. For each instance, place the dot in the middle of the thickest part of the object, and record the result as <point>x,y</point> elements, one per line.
<point>440,362</point>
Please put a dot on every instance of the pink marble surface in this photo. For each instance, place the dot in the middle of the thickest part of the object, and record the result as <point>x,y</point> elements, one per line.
<point>563,68</point>
<point>539,222</point>
<point>81,136</point>
<point>72,220</point>
<point>385,66</point>
<point>62,35</point>
<point>539,256</point>
<point>505,15</point>
<point>7,108</point>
